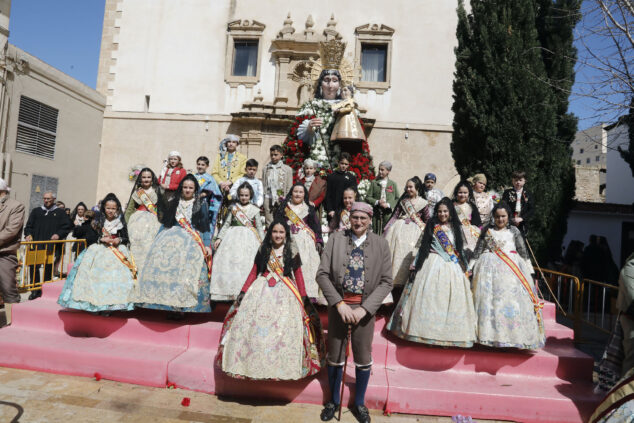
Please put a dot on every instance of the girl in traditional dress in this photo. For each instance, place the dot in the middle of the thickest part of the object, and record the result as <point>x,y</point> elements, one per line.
<point>272,331</point>
<point>341,220</point>
<point>141,214</point>
<point>506,302</point>
<point>177,268</point>
<point>404,229</point>
<point>483,200</point>
<point>78,217</point>
<point>305,232</point>
<point>102,278</point>
<point>468,214</point>
<point>172,174</point>
<point>314,183</point>
<point>437,306</point>
<point>239,240</point>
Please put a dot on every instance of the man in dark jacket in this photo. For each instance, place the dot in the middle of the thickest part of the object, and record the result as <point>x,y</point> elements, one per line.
<point>11,221</point>
<point>337,182</point>
<point>47,222</point>
<point>355,276</point>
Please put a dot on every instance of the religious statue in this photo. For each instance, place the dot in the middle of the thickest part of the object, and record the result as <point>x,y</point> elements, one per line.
<point>311,135</point>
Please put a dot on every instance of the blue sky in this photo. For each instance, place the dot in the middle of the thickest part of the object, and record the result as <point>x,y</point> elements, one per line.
<point>67,35</point>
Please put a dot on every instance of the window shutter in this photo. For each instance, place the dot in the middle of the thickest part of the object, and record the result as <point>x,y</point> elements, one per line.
<point>37,128</point>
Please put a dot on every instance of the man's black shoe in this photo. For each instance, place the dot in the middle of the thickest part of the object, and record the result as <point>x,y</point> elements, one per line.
<point>35,294</point>
<point>328,413</point>
<point>361,413</point>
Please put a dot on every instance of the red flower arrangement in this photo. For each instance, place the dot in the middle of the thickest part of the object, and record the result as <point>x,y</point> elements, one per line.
<point>295,152</point>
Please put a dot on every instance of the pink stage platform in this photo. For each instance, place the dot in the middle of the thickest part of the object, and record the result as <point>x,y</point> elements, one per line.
<point>141,347</point>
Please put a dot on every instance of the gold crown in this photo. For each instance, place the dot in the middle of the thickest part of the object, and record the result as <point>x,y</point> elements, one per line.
<point>331,54</point>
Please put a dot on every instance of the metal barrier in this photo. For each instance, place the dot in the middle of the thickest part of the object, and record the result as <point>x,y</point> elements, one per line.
<point>586,302</point>
<point>40,262</point>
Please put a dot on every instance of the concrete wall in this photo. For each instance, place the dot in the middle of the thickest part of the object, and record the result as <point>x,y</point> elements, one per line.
<point>620,183</point>
<point>176,53</point>
<point>590,147</point>
<point>78,132</point>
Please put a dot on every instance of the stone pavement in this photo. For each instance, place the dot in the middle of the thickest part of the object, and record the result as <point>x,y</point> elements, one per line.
<point>34,397</point>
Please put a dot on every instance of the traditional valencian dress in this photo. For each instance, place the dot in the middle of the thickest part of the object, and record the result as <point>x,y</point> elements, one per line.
<point>176,273</point>
<point>143,224</point>
<point>103,277</point>
<point>437,306</point>
<point>272,331</point>
<point>402,232</point>
<point>470,232</point>
<point>506,302</point>
<point>484,202</point>
<point>241,236</point>
<point>618,404</point>
<point>306,237</point>
<point>344,221</point>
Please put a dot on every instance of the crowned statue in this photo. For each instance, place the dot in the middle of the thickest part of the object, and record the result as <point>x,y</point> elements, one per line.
<point>329,124</point>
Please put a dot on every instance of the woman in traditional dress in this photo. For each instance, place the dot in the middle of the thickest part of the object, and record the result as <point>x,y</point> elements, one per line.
<point>483,200</point>
<point>141,214</point>
<point>172,174</point>
<point>506,302</point>
<point>404,229</point>
<point>236,245</point>
<point>305,232</point>
<point>272,331</point>
<point>437,306</point>
<point>341,219</point>
<point>102,278</point>
<point>468,214</point>
<point>176,272</point>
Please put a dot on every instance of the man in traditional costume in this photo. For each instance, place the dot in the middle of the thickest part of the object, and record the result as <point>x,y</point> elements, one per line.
<point>383,196</point>
<point>355,275</point>
<point>229,165</point>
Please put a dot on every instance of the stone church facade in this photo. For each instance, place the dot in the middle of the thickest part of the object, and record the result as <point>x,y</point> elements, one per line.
<point>181,75</point>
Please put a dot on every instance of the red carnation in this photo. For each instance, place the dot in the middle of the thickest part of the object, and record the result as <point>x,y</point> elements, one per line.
<point>97,377</point>
<point>185,402</point>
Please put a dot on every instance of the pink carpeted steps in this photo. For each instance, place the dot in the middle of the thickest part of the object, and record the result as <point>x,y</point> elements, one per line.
<point>141,347</point>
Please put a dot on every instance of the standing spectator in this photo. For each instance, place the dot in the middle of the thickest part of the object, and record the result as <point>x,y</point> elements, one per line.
<point>172,174</point>
<point>625,304</point>
<point>85,231</point>
<point>45,223</point>
<point>11,221</point>
<point>60,204</point>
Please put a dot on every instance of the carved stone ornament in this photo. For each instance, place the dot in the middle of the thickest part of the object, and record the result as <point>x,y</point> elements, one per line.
<point>246,26</point>
<point>287,30</point>
<point>374,30</point>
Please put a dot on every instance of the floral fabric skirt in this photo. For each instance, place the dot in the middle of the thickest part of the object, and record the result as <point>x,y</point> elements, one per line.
<point>437,307</point>
<point>310,262</point>
<point>174,276</point>
<point>402,237</point>
<point>264,336</point>
<point>232,263</point>
<point>98,281</point>
<point>142,228</point>
<point>506,316</point>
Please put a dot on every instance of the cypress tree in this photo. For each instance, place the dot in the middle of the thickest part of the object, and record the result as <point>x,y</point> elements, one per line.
<point>505,113</point>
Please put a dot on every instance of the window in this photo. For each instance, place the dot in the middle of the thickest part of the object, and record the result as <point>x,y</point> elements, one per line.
<point>245,57</point>
<point>578,162</point>
<point>243,53</point>
<point>374,53</point>
<point>588,160</point>
<point>597,158</point>
<point>373,62</point>
<point>581,151</point>
<point>37,128</point>
<point>596,147</point>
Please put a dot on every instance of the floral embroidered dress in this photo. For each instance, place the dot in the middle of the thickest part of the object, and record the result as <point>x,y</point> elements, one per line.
<point>175,275</point>
<point>272,331</point>
<point>470,232</point>
<point>509,314</point>
<point>143,224</point>
<point>437,306</point>
<point>402,233</point>
<point>241,235</point>
<point>307,246</point>
<point>484,203</point>
<point>618,404</point>
<point>102,277</point>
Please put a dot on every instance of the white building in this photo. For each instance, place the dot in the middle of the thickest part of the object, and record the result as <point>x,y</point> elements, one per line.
<point>180,75</point>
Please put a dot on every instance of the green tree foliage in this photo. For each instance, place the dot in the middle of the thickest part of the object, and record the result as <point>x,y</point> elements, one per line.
<point>508,113</point>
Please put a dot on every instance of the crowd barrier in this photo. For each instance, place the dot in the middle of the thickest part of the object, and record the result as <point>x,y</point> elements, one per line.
<point>587,303</point>
<point>40,262</point>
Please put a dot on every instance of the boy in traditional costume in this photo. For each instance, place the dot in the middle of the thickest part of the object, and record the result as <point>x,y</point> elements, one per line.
<point>382,196</point>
